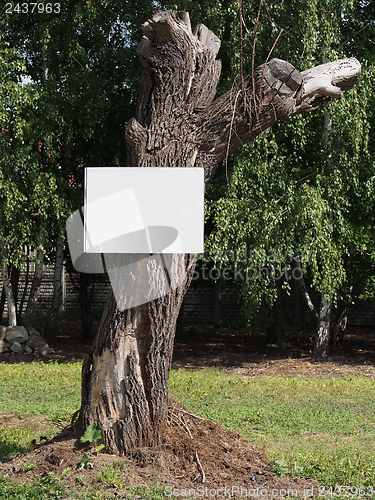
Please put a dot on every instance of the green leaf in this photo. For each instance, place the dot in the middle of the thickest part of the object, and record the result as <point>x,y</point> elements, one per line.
<point>92,434</point>
<point>85,464</point>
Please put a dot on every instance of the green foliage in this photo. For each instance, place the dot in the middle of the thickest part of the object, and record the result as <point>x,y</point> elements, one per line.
<point>84,76</point>
<point>92,434</point>
<point>297,191</point>
<point>85,463</point>
<point>46,488</point>
<point>149,492</point>
<point>18,438</point>
<point>27,466</point>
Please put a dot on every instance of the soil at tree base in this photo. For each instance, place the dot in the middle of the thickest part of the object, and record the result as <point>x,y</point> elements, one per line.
<point>196,453</point>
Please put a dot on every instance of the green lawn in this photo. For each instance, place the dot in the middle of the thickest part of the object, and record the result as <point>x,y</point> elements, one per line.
<point>310,427</point>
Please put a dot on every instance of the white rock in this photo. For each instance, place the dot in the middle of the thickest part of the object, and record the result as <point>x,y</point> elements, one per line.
<point>17,334</point>
<point>17,347</point>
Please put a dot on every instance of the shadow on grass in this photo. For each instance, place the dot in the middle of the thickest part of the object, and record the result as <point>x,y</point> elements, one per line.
<point>10,448</point>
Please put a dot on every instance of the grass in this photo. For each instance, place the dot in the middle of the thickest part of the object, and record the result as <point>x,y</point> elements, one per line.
<point>47,390</point>
<point>310,427</point>
<point>322,428</point>
<point>40,388</point>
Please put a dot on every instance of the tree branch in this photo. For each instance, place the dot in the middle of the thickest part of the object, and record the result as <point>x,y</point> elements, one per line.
<point>179,124</point>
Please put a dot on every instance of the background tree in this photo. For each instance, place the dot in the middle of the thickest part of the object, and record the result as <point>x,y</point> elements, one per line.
<point>85,77</point>
<point>293,193</point>
<point>27,190</point>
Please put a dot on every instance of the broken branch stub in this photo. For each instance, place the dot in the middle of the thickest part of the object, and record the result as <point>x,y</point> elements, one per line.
<point>184,126</point>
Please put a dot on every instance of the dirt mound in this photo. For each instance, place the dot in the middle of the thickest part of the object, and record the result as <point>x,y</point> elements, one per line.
<point>197,456</point>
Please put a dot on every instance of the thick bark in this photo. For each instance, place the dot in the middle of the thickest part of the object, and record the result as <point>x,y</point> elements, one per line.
<point>125,377</point>
<point>321,347</point>
<point>12,316</point>
<point>34,291</point>
<point>53,315</point>
<point>178,124</point>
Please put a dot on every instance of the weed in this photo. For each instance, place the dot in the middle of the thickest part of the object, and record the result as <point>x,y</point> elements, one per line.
<point>27,466</point>
<point>85,463</point>
<point>112,475</point>
<point>149,492</point>
<point>93,434</point>
<point>46,488</point>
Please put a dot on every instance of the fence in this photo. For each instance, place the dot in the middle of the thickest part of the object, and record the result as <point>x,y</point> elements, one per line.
<point>200,304</point>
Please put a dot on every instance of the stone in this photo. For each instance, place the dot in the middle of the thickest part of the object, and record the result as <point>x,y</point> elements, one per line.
<point>17,334</point>
<point>36,341</point>
<point>34,331</point>
<point>28,349</point>
<point>44,351</point>
<point>4,345</point>
<point>17,348</point>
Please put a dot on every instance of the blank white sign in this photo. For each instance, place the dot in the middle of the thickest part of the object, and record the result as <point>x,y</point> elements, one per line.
<point>144,210</point>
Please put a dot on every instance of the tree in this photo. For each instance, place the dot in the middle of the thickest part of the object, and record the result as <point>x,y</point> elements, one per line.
<point>27,191</point>
<point>85,75</point>
<point>298,191</point>
<point>178,123</point>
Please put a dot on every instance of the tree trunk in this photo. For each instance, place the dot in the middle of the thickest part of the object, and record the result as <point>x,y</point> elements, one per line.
<point>275,331</point>
<point>321,348</point>
<point>297,290</point>
<point>85,297</point>
<point>34,291</point>
<point>216,304</point>
<point>12,311</point>
<point>177,124</point>
<point>341,322</point>
<point>280,308</point>
<point>53,316</point>
<point>15,279</point>
<point>2,303</point>
<point>25,283</point>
